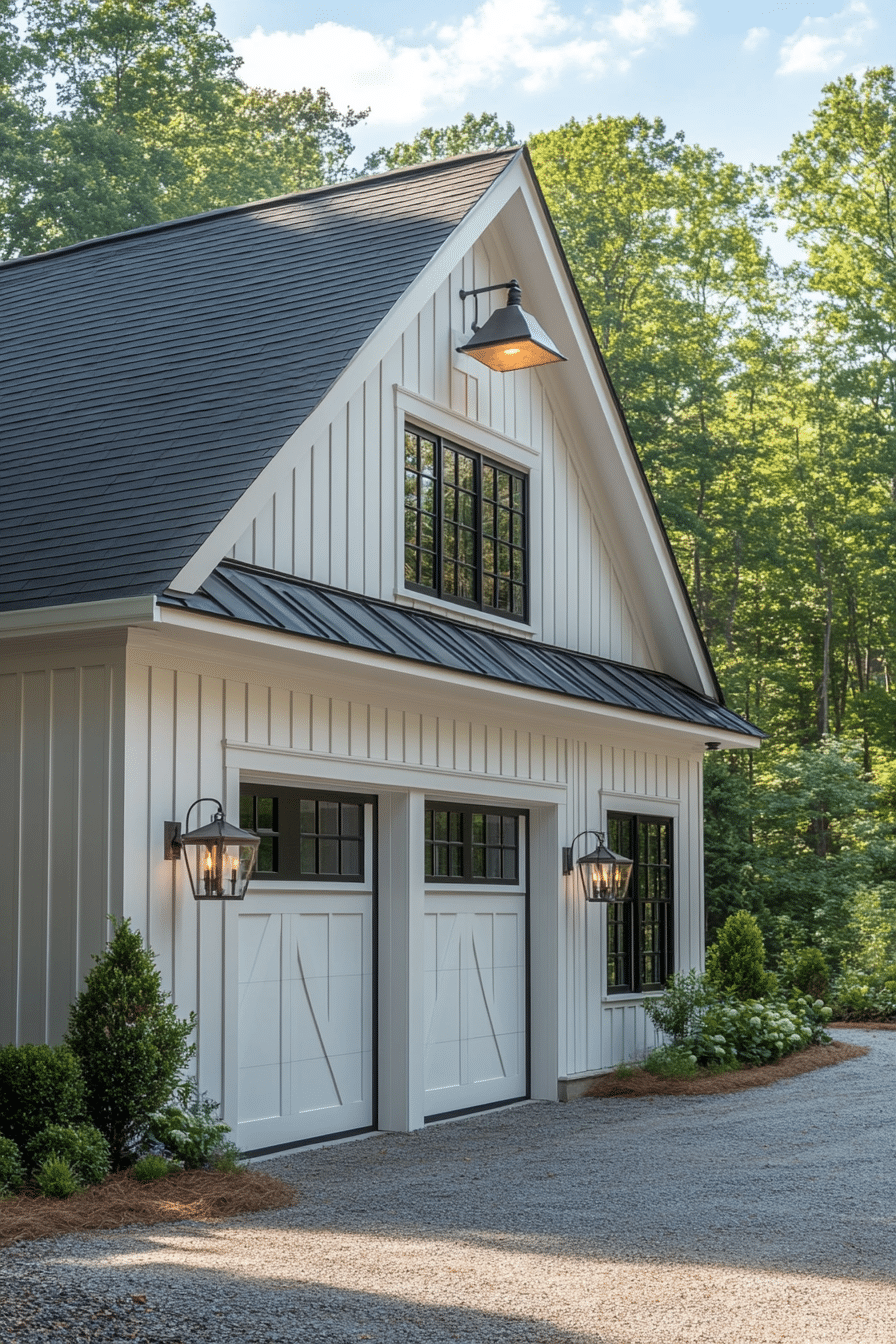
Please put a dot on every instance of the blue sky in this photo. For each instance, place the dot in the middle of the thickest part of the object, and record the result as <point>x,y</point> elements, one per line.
<point>742,76</point>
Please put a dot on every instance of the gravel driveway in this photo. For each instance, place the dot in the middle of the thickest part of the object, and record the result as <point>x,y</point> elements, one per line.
<point>765,1215</point>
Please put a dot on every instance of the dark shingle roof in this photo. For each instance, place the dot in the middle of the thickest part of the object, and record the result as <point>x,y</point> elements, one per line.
<point>239,592</point>
<point>146,379</point>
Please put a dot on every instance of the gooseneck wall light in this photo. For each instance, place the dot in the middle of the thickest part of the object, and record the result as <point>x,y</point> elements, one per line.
<point>605,875</point>
<point>511,338</point>
<point>220,858</point>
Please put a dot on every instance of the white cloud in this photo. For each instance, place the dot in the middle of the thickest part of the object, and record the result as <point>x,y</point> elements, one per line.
<point>755,38</point>
<point>645,23</point>
<point>821,45</point>
<point>404,80</point>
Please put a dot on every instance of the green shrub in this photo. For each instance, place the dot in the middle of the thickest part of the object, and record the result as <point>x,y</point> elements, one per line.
<point>811,975</point>
<point>191,1132</point>
<point>759,1031</point>
<point>228,1158</point>
<point>40,1085</point>
<point>679,1010</point>
<point>12,1168</point>
<point>153,1167</point>
<point>129,1039</point>
<point>82,1146</point>
<point>860,996</point>
<point>56,1178</point>
<point>735,964</point>
<point>671,1061</point>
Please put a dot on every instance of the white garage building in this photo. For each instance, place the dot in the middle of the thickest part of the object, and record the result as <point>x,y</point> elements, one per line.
<point>272,539</point>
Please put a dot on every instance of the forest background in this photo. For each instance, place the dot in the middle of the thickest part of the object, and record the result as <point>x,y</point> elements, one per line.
<point>761,396</point>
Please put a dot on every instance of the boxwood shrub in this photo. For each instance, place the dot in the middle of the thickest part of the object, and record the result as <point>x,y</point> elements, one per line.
<point>40,1085</point>
<point>82,1146</point>
<point>12,1168</point>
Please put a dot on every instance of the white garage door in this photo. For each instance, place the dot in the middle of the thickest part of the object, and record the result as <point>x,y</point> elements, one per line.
<point>305,1017</point>
<point>474,961</point>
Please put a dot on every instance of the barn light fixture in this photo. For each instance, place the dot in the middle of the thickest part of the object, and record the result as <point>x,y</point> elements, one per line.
<point>223,856</point>
<point>511,338</point>
<point>605,875</point>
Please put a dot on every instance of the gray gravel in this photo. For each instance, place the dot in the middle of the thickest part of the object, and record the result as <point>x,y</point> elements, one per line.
<point>763,1216</point>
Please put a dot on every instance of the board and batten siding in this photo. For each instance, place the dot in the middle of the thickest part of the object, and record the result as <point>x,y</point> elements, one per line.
<point>61,794</point>
<point>336,521</point>
<point>182,712</point>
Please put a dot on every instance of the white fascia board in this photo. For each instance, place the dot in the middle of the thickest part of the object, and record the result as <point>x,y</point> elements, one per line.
<point>634,515</point>
<point>364,671</point>
<point>228,532</point>
<point>116,611</point>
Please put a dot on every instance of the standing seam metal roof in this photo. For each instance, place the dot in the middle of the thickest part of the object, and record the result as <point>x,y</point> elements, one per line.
<point>146,379</point>
<point>243,593</point>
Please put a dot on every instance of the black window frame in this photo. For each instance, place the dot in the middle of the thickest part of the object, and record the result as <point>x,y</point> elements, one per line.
<point>482,562</point>
<point>643,926</point>
<point>288,800</point>
<point>467,844</point>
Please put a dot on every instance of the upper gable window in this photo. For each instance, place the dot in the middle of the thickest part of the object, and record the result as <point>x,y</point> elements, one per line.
<point>465,526</point>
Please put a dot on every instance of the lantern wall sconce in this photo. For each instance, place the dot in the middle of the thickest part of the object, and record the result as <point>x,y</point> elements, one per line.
<point>223,856</point>
<point>605,875</point>
<point>511,338</point>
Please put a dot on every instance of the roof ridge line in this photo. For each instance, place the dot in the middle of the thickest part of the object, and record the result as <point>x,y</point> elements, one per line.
<point>349,184</point>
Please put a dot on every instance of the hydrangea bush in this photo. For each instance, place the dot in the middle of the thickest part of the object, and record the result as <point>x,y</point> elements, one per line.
<point>191,1132</point>
<point>758,1031</point>
<point>710,1028</point>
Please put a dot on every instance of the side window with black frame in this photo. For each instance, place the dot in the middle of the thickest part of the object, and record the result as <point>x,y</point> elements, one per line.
<point>465,526</point>
<point>639,929</point>
<point>305,836</point>
<point>466,843</point>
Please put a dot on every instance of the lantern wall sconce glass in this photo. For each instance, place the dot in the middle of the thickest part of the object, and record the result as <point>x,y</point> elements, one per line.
<point>605,875</point>
<point>220,858</point>
<point>511,338</point>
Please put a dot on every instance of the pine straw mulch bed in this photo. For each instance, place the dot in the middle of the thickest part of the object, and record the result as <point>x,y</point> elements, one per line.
<point>643,1084</point>
<point>121,1200</point>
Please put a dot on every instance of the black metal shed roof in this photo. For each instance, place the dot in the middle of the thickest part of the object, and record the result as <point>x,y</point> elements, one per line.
<point>146,379</point>
<point>240,592</point>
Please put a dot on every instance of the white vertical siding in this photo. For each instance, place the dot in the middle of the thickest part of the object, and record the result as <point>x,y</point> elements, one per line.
<point>61,790</point>
<point>85,833</point>
<point>334,520</point>
<point>181,715</point>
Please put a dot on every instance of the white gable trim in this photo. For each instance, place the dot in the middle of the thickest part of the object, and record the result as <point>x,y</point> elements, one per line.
<point>228,532</point>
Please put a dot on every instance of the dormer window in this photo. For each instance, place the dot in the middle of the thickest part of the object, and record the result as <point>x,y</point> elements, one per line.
<point>465,526</point>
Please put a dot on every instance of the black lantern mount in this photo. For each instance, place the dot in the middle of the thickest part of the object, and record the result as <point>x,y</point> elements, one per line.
<point>511,338</point>
<point>605,875</point>
<point>220,858</point>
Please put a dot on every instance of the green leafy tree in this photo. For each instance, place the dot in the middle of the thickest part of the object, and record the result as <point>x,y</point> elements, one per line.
<point>21,127</point>
<point>727,840</point>
<point>825,858</point>
<point>482,132</point>
<point>154,122</point>
<point>132,1046</point>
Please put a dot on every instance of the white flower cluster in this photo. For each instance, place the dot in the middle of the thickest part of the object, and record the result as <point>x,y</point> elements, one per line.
<point>758,1031</point>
